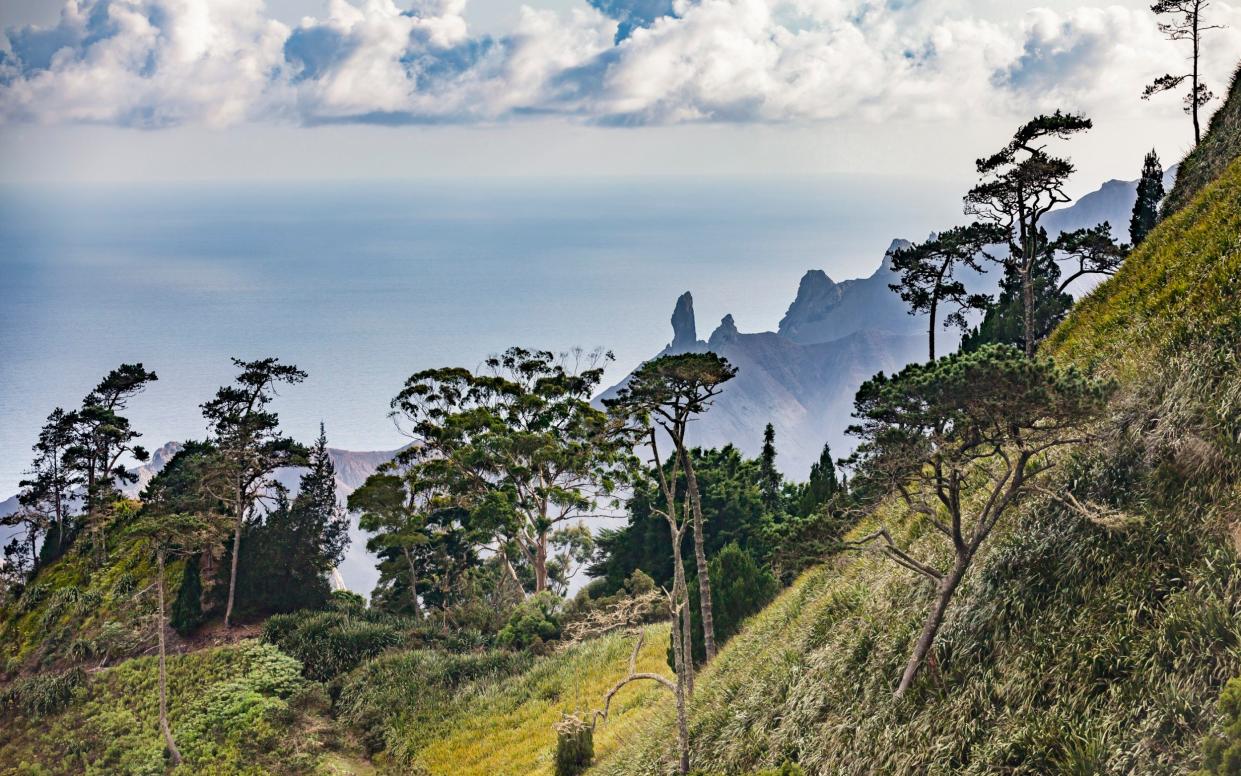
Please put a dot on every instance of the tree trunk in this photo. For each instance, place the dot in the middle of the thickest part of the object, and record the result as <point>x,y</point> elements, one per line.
<point>1194,86</point>
<point>540,564</point>
<point>930,333</point>
<point>413,583</point>
<point>173,753</point>
<point>947,587</point>
<point>700,555</point>
<point>682,658</point>
<point>232,573</point>
<point>1027,299</point>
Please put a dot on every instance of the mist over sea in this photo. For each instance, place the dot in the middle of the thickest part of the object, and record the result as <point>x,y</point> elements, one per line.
<point>361,284</point>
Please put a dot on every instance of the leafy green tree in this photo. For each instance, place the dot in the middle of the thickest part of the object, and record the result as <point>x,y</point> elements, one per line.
<point>1150,194</point>
<point>1221,754</point>
<point>291,553</point>
<point>520,447</point>
<point>249,445</point>
<point>669,392</point>
<point>533,623</point>
<point>1186,23</point>
<point>935,432</point>
<point>425,544</point>
<point>769,476</point>
<point>103,438</point>
<point>928,274</point>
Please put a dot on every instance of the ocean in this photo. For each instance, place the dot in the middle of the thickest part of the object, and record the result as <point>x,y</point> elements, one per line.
<point>362,284</point>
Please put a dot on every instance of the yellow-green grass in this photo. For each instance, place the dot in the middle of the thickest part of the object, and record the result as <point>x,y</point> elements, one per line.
<point>505,727</point>
<point>1183,279</point>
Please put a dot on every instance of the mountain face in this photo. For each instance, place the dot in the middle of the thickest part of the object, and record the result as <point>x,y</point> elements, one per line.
<point>802,378</point>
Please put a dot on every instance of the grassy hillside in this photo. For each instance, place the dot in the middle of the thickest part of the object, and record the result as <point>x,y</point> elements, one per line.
<point>496,723</point>
<point>1076,646</point>
<point>83,611</point>
<point>234,710</point>
<point>1219,147</point>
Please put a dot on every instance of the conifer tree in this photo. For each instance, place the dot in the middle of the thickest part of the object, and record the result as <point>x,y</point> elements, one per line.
<point>769,476</point>
<point>1150,193</point>
<point>249,445</point>
<point>1186,22</point>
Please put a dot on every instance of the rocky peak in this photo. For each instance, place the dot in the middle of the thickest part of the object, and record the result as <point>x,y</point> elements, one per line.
<point>684,331</point>
<point>725,332</point>
<point>816,294</point>
<point>886,265</point>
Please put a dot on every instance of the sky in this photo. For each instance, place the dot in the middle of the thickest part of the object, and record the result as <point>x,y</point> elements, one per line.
<point>140,90</point>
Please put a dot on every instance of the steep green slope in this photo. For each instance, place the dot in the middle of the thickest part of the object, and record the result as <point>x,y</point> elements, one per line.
<point>234,710</point>
<point>1219,147</point>
<point>1076,645</point>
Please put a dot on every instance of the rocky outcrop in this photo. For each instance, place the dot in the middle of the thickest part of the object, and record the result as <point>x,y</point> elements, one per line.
<point>684,330</point>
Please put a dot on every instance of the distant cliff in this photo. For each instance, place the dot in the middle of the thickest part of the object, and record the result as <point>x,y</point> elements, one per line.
<point>835,335</point>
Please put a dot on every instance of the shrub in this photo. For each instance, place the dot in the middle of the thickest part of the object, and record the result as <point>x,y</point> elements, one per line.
<point>739,588</point>
<point>333,642</point>
<point>42,694</point>
<point>534,622</point>
<point>1221,754</point>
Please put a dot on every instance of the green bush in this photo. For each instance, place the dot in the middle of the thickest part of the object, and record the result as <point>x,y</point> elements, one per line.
<point>739,589</point>
<point>1221,754</point>
<point>534,622</point>
<point>332,642</point>
<point>41,694</point>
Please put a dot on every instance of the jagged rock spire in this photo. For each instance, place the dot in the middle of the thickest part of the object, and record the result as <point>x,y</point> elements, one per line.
<point>684,330</point>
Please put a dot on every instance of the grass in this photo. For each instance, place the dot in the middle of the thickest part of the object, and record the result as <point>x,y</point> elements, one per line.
<point>495,715</point>
<point>78,611</point>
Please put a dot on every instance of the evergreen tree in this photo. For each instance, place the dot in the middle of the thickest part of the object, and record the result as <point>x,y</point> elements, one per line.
<point>928,274</point>
<point>769,476</point>
<point>822,486</point>
<point>249,445</point>
<point>1187,23</point>
<point>103,437</point>
<point>1005,322</point>
<point>1150,193</point>
<point>289,556</point>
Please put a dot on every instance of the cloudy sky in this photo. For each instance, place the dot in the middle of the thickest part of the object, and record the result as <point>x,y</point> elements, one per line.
<point>290,89</point>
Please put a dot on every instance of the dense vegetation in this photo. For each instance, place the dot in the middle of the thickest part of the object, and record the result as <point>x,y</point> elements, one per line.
<point>1031,568</point>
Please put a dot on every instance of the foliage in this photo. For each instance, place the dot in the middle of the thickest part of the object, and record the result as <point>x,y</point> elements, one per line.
<point>1221,754</point>
<point>1150,194</point>
<point>330,643</point>
<point>1003,323</point>
<point>41,694</point>
<point>519,446</point>
<point>231,712</point>
<point>492,713</point>
<point>533,623</point>
<point>187,613</point>
<point>739,589</point>
<point>1185,22</point>
<point>731,489</point>
<point>1211,158</point>
<point>287,557</point>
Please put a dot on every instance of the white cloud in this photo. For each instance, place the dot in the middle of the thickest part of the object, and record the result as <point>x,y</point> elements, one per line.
<point>219,62</point>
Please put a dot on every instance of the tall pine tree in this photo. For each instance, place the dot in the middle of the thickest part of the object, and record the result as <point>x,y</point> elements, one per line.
<point>769,477</point>
<point>1150,193</point>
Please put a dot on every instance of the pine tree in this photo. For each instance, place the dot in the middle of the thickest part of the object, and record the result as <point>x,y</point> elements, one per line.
<point>1005,322</point>
<point>769,477</point>
<point>822,486</point>
<point>1150,193</point>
